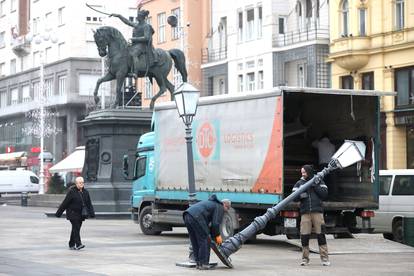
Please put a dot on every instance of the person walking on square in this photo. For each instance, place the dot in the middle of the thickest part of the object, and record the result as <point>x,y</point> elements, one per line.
<point>312,215</point>
<point>199,219</point>
<point>77,198</point>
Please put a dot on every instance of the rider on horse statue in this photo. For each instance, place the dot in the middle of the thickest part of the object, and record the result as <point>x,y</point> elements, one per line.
<point>142,51</point>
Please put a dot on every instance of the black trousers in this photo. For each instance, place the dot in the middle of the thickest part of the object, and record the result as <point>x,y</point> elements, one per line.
<point>199,240</point>
<point>75,239</point>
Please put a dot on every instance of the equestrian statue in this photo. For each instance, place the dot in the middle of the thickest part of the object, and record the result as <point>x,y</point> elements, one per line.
<point>138,59</point>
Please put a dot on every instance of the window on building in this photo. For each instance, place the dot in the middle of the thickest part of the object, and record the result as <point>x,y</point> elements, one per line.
<point>48,21</point>
<point>250,82</point>
<point>301,73</point>
<point>399,14</point>
<point>282,25</point>
<point>410,147</point>
<point>3,99</point>
<point>347,82</point>
<point>317,7</point>
<point>13,5</point>
<point>2,7</point>
<point>48,54</point>
<point>260,84</point>
<point>48,88</point>
<point>14,96</point>
<point>240,83</point>
<point>345,17</point>
<point>259,22</point>
<point>2,69</point>
<point>250,24</point>
<point>403,185</point>
<point>26,94</point>
<point>404,85</point>
<point>368,81</point>
<point>61,50</point>
<point>2,42</point>
<point>161,27</point>
<point>36,90</point>
<point>36,58</point>
<point>362,21</point>
<point>62,85</point>
<point>148,88</point>
<point>87,83</point>
<point>308,8</point>
<point>61,16</point>
<point>36,22</point>
<point>175,31</point>
<point>13,66</point>
<point>240,29</point>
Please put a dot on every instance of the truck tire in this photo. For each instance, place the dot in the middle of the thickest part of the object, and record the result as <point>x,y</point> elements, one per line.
<point>226,227</point>
<point>388,236</point>
<point>293,236</point>
<point>145,222</point>
<point>397,231</point>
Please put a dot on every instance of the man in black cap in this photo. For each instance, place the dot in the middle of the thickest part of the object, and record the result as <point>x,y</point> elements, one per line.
<point>199,219</point>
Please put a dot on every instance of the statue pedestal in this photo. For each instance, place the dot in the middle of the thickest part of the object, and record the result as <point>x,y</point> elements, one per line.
<point>109,135</point>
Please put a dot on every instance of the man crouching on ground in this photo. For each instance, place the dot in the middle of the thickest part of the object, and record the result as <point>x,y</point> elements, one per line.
<point>197,219</point>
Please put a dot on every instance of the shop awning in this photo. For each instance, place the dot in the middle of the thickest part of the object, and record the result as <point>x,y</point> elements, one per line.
<point>72,163</point>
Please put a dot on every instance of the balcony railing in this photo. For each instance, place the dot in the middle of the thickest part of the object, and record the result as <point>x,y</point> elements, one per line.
<point>212,55</point>
<point>308,34</point>
<point>20,46</point>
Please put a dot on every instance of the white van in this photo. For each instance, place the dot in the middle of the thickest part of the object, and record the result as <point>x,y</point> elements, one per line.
<point>396,200</point>
<point>18,181</point>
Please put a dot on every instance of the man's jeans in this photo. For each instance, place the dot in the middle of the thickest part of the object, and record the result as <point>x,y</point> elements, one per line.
<point>199,240</point>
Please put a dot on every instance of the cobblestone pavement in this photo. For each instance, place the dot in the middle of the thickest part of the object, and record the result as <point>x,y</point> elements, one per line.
<point>32,244</point>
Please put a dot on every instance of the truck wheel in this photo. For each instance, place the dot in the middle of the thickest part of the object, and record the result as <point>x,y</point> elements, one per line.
<point>226,227</point>
<point>397,231</point>
<point>344,235</point>
<point>388,236</point>
<point>145,222</point>
<point>293,236</point>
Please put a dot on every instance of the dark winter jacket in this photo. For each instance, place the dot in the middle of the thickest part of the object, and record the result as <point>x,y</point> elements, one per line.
<point>311,200</point>
<point>73,204</point>
<point>208,212</point>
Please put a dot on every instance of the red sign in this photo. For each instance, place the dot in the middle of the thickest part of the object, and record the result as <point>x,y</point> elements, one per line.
<point>9,149</point>
<point>35,150</point>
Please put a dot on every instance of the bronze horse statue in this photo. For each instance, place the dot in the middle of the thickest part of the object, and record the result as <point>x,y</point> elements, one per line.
<point>112,43</point>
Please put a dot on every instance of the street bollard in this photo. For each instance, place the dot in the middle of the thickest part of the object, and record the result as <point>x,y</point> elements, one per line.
<point>23,199</point>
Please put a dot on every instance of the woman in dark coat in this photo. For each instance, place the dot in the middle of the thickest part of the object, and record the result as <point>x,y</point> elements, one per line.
<point>76,197</point>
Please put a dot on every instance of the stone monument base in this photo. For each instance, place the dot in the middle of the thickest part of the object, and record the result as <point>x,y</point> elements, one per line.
<point>110,134</point>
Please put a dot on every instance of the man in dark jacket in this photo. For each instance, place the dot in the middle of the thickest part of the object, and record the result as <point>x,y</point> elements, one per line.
<point>312,214</point>
<point>203,221</point>
<point>76,198</point>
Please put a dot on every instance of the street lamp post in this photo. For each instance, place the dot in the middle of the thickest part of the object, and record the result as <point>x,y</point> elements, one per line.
<point>348,154</point>
<point>38,39</point>
<point>186,99</point>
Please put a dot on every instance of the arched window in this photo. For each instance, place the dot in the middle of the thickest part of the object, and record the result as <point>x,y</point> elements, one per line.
<point>345,17</point>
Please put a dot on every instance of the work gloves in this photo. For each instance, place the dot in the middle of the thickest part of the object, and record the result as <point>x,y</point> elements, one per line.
<point>219,240</point>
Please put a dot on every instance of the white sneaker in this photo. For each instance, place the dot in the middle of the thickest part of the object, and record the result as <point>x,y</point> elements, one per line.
<point>326,263</point>
<point>304,262</point>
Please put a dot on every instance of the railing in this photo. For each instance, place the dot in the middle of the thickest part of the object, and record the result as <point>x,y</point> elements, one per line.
<point>294,37</point>
<point>212,55</point>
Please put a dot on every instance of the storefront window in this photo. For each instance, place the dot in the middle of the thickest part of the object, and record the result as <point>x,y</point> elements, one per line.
<point>410,147</point>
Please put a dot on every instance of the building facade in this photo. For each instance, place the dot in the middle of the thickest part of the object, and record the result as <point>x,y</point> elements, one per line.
<point>59,35</point>
<point>187,36</point>
<point>256,45</point>
<point>372,47</point>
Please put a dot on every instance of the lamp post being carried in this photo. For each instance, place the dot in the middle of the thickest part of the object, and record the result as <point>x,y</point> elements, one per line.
<point>348,154</point>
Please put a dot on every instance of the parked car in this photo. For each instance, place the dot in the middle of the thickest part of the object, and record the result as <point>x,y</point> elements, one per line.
<point>396,201</point>
<point>18,181</point>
